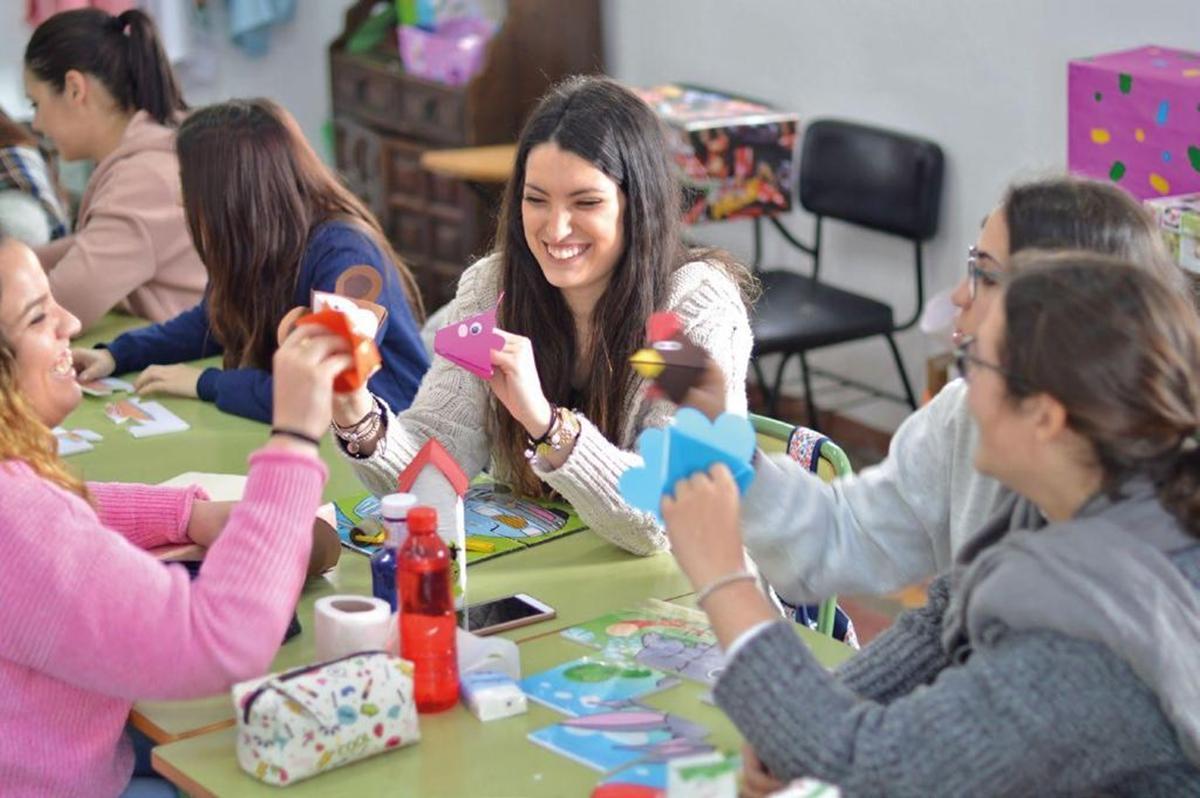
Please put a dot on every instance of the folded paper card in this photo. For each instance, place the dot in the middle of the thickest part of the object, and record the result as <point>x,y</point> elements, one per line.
<point>671,361</point>
<point>469,343</point>
<point>363,351</point>
<point>690,445</point>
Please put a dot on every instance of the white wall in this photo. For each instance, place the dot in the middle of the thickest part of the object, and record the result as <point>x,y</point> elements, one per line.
<point>986,79</point>
<point>294,72</point>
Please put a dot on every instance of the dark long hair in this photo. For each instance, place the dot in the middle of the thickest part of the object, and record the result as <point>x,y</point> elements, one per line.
<point>122,51</point>
<point>1121,351</point>
<point>1072,213</point>
<point>253,192</point>
<point>611,128</point>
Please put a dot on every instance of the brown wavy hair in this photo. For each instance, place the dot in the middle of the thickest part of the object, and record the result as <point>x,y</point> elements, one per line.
<point>611,128</point>
<point>1120,349</point>
<point>23,436</point>
<point>253,193</point>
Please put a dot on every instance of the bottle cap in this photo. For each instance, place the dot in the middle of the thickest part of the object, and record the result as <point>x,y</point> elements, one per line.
<point>395,506</point>
<point>422,520</point>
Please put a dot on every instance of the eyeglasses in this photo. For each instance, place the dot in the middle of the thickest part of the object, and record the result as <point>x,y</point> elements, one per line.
<point>965,360</point>
<point>976,272</point>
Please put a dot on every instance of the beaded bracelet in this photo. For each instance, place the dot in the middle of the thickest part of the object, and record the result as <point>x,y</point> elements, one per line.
<point>564,426</point>
<point>362,431</point>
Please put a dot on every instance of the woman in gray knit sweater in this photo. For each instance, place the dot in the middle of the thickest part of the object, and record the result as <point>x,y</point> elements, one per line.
<point>589,246</point>
<point>1058,655</point>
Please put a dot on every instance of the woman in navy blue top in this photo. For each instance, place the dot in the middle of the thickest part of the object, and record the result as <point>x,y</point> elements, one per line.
<point>272,224</point>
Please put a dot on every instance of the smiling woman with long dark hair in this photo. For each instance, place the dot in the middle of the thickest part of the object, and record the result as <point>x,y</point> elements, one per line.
<point>272,224</point>
<point>589,247</point>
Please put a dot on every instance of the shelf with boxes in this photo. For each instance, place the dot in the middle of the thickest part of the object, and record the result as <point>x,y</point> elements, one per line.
<point>385,118</point>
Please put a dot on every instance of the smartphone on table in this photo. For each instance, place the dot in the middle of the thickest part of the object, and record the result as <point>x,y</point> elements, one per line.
<point>502,614</point>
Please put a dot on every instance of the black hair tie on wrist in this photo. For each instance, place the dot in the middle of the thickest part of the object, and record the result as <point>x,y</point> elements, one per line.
<point>300,436</point>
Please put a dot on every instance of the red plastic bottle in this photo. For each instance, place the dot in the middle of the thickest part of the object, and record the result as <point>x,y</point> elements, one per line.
<point>427,621</point>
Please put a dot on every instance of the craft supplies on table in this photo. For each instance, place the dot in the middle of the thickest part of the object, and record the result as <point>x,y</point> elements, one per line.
<point>298,724</point>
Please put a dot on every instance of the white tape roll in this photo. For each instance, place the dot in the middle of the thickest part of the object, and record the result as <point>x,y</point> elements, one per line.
<point>346,624</point>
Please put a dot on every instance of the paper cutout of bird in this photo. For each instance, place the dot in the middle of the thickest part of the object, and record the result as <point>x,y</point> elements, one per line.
<point>672,362</point>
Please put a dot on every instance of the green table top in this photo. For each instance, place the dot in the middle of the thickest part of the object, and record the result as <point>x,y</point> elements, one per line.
<point>458,755</point>
<point>574,575</point>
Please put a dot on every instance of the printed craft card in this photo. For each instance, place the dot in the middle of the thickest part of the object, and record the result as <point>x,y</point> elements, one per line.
<point>613,740</point>
<point>74,441</point>
<point>105,387</point>
<point>144,419</point>
<point>590,686</point>
<point>656,635</point>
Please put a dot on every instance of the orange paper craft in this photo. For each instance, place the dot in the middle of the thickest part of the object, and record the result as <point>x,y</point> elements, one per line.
<point>362,349</point>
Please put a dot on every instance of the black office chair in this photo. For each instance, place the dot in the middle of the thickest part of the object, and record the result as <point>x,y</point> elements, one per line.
<point>869,177</point>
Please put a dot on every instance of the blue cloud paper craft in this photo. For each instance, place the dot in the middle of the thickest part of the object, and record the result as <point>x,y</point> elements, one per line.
<point>690,445</point>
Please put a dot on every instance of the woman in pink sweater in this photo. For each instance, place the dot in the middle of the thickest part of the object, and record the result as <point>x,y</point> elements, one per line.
<point>103,91</point>
<point>90,621</point>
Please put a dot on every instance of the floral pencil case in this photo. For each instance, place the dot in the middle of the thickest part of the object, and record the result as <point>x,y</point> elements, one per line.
<point>299,723</point>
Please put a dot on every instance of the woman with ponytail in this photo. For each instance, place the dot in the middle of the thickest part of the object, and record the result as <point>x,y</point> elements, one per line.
<point>103,91</point>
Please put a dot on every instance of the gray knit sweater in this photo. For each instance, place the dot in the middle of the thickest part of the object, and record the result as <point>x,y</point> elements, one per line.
<point>452,406</point>
<point>1013,712</point>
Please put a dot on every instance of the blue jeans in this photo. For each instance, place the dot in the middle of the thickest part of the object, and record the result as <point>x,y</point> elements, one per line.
<point>145,782</point>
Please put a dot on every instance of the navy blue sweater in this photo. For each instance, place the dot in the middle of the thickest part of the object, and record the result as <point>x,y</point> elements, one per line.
<point>333,248</point>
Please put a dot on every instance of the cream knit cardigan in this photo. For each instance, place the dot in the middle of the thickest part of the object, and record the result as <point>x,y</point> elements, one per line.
<point>452,405</point>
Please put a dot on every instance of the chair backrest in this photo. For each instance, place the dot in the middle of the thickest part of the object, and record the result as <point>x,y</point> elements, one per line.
<point>805,446</point>
<point>872,177</point>
<point>826,459</point>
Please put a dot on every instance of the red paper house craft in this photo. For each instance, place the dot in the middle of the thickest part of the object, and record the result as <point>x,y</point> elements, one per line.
<point>438,481</point>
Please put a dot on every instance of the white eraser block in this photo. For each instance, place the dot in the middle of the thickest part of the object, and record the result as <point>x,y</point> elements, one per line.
<point>491,695</point>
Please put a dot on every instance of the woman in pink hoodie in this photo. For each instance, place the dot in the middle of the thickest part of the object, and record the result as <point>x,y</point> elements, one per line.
<point>91,622</point>
<point>103,91</point>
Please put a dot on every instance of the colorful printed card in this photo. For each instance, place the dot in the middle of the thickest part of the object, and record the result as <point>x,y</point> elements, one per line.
<point>590,686</point>
<point>614,740</point>
<point>105,387</point>
<point>657,635</point>
<point>497,521</point>
<point>148,418</point>
<point>74,441</point>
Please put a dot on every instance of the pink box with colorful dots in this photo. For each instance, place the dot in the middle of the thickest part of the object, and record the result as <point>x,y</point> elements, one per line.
<point>1133,117</point>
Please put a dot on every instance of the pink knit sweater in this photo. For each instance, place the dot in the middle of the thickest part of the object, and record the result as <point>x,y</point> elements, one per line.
<point>89,622</point>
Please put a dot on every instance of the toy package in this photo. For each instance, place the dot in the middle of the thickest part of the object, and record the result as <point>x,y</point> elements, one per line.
<point>737,156</point>
<point>1133,117</point>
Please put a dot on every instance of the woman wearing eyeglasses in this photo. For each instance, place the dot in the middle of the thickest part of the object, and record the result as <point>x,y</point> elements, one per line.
<point>1057,655</point>
<point>901,521</point>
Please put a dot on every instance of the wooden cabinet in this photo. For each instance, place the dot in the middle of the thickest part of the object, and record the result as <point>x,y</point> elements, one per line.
<point>383,119</point>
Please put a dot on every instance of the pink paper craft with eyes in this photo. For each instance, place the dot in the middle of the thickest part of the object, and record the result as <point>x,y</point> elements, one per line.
<point>469,343</point>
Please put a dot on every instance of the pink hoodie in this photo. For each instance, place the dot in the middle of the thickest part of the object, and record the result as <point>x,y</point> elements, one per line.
<point>131,247</point>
